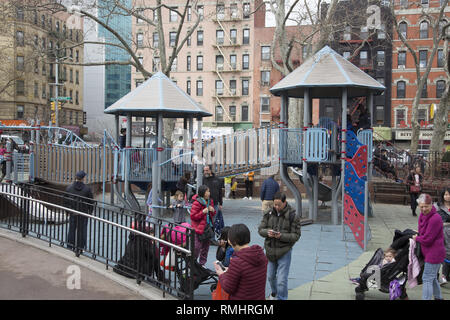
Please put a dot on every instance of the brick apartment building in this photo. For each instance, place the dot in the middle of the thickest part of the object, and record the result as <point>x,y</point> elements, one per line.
<point>29,42</point>
<point>417,29</point>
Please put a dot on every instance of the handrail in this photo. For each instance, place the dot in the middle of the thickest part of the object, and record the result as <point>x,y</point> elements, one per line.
<point>187,252</point>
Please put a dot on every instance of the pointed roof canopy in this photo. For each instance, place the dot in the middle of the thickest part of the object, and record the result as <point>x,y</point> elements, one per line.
<point>325,74</point>
<point>157,95</point>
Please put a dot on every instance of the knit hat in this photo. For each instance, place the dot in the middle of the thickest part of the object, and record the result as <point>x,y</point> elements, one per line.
<point>80,174</point>
<point>425,198</point>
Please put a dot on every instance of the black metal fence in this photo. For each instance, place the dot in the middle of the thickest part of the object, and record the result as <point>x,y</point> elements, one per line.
<point>148,249</point>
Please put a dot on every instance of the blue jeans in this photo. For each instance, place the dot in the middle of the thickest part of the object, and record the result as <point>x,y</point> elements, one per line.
<point>430,282</point>
<point>277,274</point>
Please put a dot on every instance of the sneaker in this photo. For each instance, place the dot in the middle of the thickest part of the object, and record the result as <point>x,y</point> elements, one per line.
<point>244,198</point>
<point>250,198</point>
<point>442,280</point>
<point>271,297</point>
<point>355,280</point>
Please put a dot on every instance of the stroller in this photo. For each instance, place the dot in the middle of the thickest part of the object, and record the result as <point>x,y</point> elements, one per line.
<point>200,274</point>
<point>396,272</point>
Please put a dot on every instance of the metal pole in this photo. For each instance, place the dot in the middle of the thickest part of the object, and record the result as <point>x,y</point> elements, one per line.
<point>8,161</point>
<point>366,212</point>
<point>343,153</point>
<point>57,92</point>
<point>308,188</point>
<point>200,160</point>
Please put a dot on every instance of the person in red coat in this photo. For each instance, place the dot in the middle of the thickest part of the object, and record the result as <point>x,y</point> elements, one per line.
<point>245,278</point>
<point>202,214</point>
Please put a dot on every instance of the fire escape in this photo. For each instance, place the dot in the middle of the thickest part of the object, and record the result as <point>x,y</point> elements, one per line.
<point>226,63</point>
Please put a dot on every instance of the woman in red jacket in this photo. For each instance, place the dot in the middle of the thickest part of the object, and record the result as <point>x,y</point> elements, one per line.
<point>245,278</point>
<point>202,215</point>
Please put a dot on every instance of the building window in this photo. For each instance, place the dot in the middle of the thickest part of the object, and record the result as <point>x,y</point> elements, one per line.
<point>188,87</point>
<point>220,12</point>
<point>233,87</point>
<point>347,35</point>
<point>155,15</point>
<point>306,50</point>
<point>423,56</point>
<point>440,58</point>
<point>188,63</point>
<point>401,59</point>
<point>20,112</point>
<point>199,37</point>
<point>219,62</point>
<point>424,30</point>
<point>244,113</point>
<point>174,65</point>
<point>245,61</point>
<point>246,36</point>
<point>188,42</point>
<point>20,63</point>
<point>20,39</point>
<point>380,57</point>
<point>265,53</point>
<point>233,36</point>
<point>379,114</point>
<point>233,61</point>
<point>245,86</point>
<point>77,102</point>
<point>200,12</point>
<point>401,89</point>
<point>422,116</point>
<point>77,77</point>
<point>400,117</point>
<point>246,10</point>
<point>424,3</point>
<point>219,113</point>
<point>346,54</point>
<point>265,78</point>
<point>265,105</point>
<point>440,87</point>
<point>172,38</point>
<point>402,29</point>
<point>234,11</point>
<point>199,63</point>
<point>219,36</point>
<point>189,13</point>
<point>140,40</point>
<point>381,32</point>
<point>424,91</point>
<point>20,87</point>
<point>219,87</point>
<point>173,17</point>
<point>155,65</point>
<point>199,88</point>
<point>364,34</point>
<point>36,90</point>
<point>404,3</point>
<point>363,60</point>
<point>155,39</point>
<point>233,113</point>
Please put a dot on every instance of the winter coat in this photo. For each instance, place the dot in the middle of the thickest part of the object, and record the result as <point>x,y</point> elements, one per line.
<point>269,188</point>
<point>447,240</point>
<point>431,237</point>
<point>215,188</point>
<point>443,212</point>
<point>80,198</point>
<point>179,214</point>
<point>411,180</point>
<point>245,278</point>
<point>290,231</point>
<point>198,218</point>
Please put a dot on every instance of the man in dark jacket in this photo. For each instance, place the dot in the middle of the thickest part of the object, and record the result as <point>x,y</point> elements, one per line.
<point>81,200</point>
<point>268,190</point>
<point>215,186</point>
<point>280,227</point>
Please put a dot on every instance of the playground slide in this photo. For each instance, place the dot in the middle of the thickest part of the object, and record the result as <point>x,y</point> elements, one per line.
<point>324,190</point>
<point>38,212</point>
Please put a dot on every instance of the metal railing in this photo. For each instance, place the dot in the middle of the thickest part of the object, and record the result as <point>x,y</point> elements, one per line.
<point>119,238</point>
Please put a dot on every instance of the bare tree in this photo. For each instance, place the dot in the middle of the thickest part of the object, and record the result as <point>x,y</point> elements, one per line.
<point>441,116</point>
<point>435,21</point>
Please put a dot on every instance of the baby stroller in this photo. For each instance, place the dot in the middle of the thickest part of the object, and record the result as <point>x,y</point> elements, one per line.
<point>391,273</point>
<point>200,274</point>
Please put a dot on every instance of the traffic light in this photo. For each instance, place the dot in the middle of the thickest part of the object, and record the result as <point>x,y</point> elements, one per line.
<point>53,117</point>
<point>52,104</point>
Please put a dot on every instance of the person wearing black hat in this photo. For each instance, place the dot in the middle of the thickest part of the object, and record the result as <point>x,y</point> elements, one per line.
<point>79,200</point>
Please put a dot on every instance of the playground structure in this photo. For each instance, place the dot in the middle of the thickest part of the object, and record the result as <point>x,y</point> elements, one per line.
<point>325,145</point>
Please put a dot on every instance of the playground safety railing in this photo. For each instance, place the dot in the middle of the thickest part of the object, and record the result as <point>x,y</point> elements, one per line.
<point>110,234</point>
